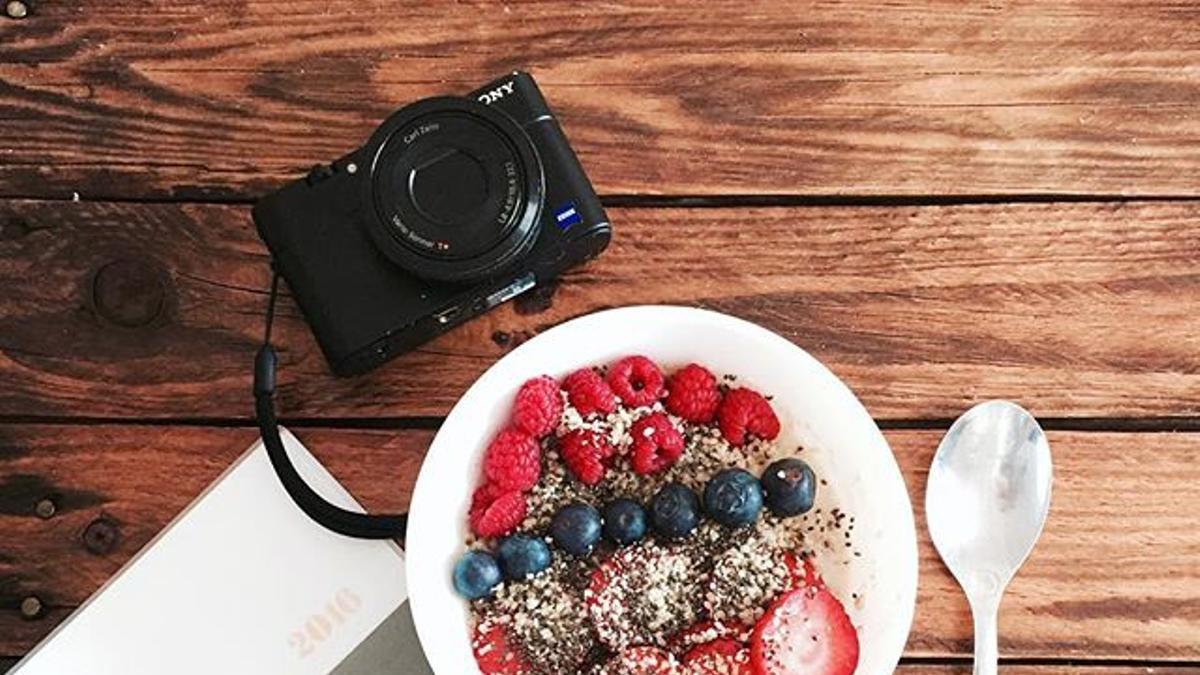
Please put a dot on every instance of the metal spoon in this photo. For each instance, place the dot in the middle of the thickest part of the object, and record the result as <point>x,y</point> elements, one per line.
<point>986,502</point>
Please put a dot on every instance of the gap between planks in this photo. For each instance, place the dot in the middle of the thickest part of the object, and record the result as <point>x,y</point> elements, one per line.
<point>698,201</point>
<point>1082,424</point>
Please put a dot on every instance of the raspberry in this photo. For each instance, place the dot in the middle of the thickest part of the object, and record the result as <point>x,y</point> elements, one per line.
<point>656,444</point>
<point>589,393</point>
<point>585,453</point>
<point>482,498</point>
<point>500,517</point>
<point>636,380</point>
<point>692,394</point>
<point>513,461</point>
<point>745,411</point>
<point>538,407</point>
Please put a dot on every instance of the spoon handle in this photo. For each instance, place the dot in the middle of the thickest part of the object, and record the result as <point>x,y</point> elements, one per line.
<point>987,651</point>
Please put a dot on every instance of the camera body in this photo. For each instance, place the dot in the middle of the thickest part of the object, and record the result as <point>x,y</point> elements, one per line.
<point>455,205</point>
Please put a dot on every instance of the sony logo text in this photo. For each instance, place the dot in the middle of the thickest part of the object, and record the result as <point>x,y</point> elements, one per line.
<point>493,95</point>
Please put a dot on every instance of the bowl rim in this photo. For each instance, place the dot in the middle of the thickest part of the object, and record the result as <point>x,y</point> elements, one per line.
<point>421,593</point>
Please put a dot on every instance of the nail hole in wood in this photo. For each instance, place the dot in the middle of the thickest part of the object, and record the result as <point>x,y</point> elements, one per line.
<point>101,536</point>
<point>16,9</point>
<point>46,508</point>
<point>31,607</point>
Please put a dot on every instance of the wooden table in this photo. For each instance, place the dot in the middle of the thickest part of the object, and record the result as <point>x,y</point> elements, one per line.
<point>945,202</point>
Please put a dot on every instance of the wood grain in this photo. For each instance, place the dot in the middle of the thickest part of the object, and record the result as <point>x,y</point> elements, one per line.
<point>224,99</point>
<point>1116,575</point>
<point>1083,310</point>
<point>113,315</point>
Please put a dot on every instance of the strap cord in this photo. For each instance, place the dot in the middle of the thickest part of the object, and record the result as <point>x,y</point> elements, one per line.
<point>335,518</point>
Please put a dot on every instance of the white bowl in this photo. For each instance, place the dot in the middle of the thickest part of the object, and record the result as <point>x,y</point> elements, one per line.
<point>815,408</point>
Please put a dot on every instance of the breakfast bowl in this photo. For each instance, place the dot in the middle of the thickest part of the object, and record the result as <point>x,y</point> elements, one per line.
<point>876,578</point>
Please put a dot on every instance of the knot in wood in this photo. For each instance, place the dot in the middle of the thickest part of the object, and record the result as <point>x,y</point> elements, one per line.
<point>129,292</point>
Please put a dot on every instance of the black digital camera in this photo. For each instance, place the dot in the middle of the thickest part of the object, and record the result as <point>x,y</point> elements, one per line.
<point>455,205</point>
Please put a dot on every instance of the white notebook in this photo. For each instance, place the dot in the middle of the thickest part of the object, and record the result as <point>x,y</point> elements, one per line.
<point>243,582</point>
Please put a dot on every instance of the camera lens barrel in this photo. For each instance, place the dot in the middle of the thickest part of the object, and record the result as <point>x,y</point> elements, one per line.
<point>456,190</point>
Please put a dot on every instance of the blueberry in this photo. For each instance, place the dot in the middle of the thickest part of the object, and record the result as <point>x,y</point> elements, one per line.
<point>624,521</point>
<point>791,487</point>
<point>476,574</point>
<point>576,528</point>
<point>522,557</point>
<point>675,511</point>
<point>733,498</point>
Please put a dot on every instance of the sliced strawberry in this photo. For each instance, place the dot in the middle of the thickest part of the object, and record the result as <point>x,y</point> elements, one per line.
<point>718,647</point>
<point>719,657</point>
<point>616,596</point>
<point>740,586</point>
<point>707,631</point>
<point>805,632</point>
<point>642,661</point>
<point>603,600</point>
<point>493,654</point>
<point>802,570</point>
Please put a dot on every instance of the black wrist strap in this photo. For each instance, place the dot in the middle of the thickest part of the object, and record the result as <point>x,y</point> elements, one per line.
<point>342,521</point>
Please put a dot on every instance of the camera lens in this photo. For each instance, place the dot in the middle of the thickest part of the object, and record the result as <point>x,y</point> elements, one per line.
<point>446,185</point>
<point>456,188</point>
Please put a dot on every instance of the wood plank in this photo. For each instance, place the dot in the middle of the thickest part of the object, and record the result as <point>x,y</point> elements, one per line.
<point>155,310</point>
<point>27,633</point>
<point>1116,575</point>
<point>186,98</point>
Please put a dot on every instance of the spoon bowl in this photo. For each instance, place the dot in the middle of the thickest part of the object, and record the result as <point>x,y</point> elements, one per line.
<point>986,502</point>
